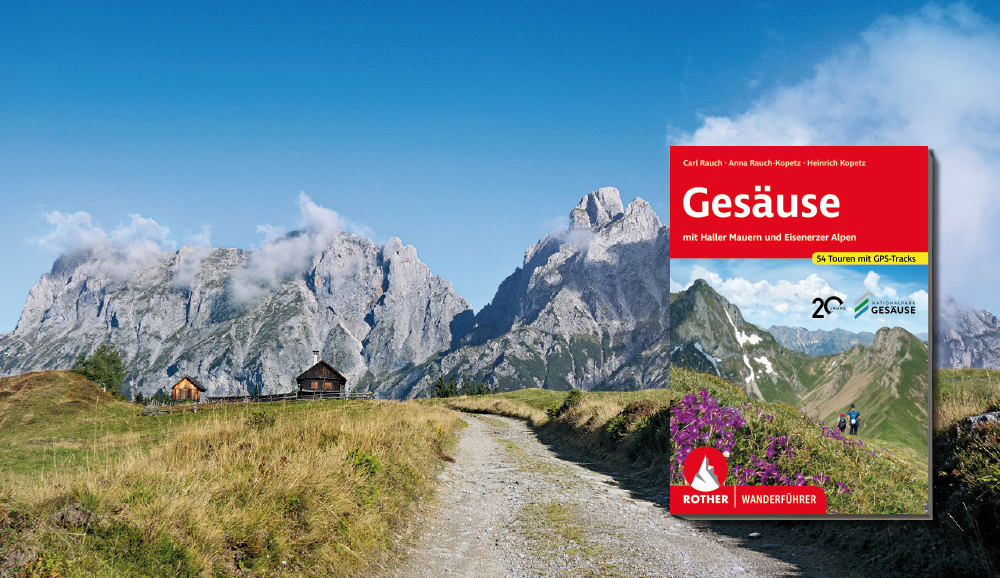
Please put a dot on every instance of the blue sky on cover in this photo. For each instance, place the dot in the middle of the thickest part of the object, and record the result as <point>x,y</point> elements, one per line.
<point>781,291</point>
<point>467,131</point>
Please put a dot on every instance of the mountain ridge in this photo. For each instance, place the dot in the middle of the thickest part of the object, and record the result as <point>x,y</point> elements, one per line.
<point>587,309</point>
<point>369,309</point>
<point>819,341</point>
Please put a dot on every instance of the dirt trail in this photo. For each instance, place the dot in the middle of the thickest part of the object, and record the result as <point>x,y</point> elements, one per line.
<point>509,507</point>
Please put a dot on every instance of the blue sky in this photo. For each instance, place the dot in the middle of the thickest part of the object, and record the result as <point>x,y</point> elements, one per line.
<point>467,131</point>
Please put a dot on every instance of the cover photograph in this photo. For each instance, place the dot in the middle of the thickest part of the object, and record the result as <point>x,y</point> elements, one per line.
<point>800,279</point>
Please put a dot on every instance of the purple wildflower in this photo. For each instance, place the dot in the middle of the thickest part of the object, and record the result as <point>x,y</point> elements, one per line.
<point>699,420</point>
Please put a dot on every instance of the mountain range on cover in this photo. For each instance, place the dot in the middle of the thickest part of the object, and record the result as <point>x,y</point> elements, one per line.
<point>887,379</point>
<point>589,308</point>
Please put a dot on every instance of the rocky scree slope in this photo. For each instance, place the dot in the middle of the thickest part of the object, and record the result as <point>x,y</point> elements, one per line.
<point>371,311</point>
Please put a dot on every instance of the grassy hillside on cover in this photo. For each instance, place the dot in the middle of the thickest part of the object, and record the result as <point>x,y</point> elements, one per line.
<point>90,488</point>
<point>890,393</point>
<point>776,444</point>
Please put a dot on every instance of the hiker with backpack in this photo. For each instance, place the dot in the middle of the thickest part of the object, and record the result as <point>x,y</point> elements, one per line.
<point>855,416</point>
<point>842,424</point>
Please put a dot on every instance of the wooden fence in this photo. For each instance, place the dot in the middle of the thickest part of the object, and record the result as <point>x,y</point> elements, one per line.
<point>158,407</point>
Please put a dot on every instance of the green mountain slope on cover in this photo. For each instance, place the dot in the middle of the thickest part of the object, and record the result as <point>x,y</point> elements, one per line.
<point>888,381</point>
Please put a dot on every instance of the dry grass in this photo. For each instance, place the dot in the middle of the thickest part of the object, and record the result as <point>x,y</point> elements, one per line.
<point>317,488</point>
<point>959,393</point>
<point>596,410</point>
<point>584,427</point>
<point>499,406</point>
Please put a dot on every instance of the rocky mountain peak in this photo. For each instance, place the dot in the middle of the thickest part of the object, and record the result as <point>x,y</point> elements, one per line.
<point>241,321</point>
<point>887,337</point>
<point>394,248</point>
<point>965,337</point>
<point>889,346</point>
<point>597,209</point>
<point>701,289</point>
<point>593,298</point>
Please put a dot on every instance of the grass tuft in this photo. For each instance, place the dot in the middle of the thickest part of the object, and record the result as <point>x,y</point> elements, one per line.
<point>297,489</point>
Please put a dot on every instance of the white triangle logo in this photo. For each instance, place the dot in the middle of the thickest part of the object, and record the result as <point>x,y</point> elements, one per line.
<point>705,480</point>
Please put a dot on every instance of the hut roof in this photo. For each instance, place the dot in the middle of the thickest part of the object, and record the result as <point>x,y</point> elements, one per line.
<point>316,371</point>
<point>193,381</point>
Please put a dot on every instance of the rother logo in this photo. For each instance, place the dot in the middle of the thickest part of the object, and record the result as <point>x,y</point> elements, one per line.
<point>861,305</point>
<point>705,469</point>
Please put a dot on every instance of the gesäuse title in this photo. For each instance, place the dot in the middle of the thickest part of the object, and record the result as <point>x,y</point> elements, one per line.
<point>764,206</point>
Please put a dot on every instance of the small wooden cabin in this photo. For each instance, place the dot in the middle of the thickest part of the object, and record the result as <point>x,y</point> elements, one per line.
<point>187,388</point>
<point>321,378</point>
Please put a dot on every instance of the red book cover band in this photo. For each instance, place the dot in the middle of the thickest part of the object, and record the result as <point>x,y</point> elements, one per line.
<point>705,470</point>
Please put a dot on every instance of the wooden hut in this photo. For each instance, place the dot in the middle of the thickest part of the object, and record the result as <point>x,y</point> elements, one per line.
<point>321,378</point>
<point>187,388</point>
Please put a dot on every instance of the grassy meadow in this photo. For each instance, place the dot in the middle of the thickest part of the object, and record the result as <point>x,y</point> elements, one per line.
<point>88,487</point>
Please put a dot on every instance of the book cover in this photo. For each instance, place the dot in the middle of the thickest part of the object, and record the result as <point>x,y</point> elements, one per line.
<point>801,373</point>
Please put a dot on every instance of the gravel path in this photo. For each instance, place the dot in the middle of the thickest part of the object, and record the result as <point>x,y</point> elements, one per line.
<point>509,507</point>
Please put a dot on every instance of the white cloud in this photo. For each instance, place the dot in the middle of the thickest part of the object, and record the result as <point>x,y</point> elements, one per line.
<point>70,231</point>
<point>871,284</point>
<point>930,78</point>
<point>763,300</point>
<point>282,256</point>
<point>138,244</point>
<point>122,252</point>
<point>202,238</point>
<point>557,224</point>
<point>188,265</point>
<point>142,231</point>
<point>920,297</point>
<point>271,232</point>
<point>363,231</point>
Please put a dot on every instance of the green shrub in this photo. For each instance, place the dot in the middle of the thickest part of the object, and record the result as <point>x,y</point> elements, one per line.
<point>259,419</point>
<point>444,388</point>
<point>573,399</point>
<point>104,367</point>
<point>363,462</point>
<point>635,415</point>
<point>473,388</point>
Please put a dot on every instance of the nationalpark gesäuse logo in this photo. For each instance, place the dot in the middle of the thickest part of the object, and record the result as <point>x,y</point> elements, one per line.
<point>861,305</point>
<point>867,302</point>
